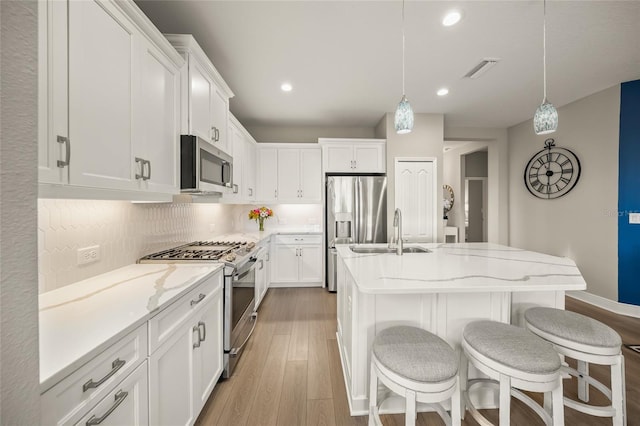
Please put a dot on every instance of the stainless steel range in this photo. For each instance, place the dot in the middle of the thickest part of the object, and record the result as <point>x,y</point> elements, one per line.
<point>239,258</point>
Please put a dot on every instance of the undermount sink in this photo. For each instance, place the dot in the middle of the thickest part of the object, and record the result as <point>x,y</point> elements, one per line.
<point>379,250</point>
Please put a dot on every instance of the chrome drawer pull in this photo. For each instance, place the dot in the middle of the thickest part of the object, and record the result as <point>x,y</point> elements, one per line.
<point>120,396</point>
<point>204,330</point>
<point>195,302</point>
<point>197,344</point>
<point>115,366</point>
<point>67,144</point>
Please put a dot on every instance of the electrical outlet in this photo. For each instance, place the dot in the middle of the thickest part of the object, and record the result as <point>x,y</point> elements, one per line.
<point>634,218</point>
<point>88,255</point>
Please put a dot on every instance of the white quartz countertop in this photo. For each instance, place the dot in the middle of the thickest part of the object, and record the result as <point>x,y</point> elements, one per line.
<point>258,236</point>
<point>80,320</point>
<point>464,267</point>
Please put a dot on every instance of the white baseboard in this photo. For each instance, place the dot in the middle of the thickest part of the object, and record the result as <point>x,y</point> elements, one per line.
<point>604,303</point>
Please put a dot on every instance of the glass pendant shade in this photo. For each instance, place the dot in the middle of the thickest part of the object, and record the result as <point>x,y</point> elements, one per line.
<point>546,119</point>
<point>404,117</point>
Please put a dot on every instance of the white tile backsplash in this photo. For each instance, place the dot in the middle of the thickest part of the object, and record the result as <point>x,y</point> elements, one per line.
<point>124,231</point>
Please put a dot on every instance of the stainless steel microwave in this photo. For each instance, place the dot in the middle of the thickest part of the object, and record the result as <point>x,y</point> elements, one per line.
<point>203,167</point>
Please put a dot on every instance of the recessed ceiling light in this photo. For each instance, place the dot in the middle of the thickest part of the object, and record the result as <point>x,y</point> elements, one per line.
<point>451,18</point>
<point>443,92</point>
<point>286,87</point>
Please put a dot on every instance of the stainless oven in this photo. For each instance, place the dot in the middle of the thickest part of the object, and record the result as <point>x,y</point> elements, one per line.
<point>239,309</point>
<point>203,167</point>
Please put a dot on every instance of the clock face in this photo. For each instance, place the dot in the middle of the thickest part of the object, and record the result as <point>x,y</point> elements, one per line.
<point>552,172</point>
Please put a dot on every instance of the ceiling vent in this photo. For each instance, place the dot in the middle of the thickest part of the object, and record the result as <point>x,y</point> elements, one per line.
<point>482,67</point>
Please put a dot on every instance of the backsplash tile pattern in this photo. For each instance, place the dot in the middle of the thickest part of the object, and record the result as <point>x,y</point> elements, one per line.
<point>124,231</point>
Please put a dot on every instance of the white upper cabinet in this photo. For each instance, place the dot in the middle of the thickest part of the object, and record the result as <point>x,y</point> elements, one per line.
<point>289,173</point>
<point>249,169</point>
<point>267,174</point>
<point>159,130</point>
<point>205,101</point>
<point>243,147</point>
<point>353,155</point>
<point>109,102</point>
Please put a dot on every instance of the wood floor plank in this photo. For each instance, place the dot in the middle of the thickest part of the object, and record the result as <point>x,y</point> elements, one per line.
<point>299,345</point>
<point>283,310</point>
<point>293,402</point>
<point>320,412</point>
<point>319,379</point>
<point>216,404</point>
<point>340,403</point>
<point>264,410</point>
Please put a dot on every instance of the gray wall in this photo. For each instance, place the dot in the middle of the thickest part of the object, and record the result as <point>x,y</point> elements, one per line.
<point>19,373</point>
<point>582,224</point>
<point>307,134</point>
<point>476,164</point>
<point>426,140</point>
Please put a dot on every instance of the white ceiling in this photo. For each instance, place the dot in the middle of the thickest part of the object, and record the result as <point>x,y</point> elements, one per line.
<point>344,57</point>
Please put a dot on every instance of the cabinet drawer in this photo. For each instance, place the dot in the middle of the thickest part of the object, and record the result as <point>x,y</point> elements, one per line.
<point>73,396</point>
<point>166,322</point>
<point>126,404</point>
<point>298,239</point>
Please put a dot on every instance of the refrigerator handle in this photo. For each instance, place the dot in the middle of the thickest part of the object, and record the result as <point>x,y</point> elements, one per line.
<point>355,223</point>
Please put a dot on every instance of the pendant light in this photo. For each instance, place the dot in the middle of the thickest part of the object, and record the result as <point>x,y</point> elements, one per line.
<point>545,120</point>
<point>403,120</point>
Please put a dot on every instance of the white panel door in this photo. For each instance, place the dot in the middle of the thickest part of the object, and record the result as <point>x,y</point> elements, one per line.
<point>159,133</point>
<point>171,380</point>
<point>338,158</point>
<point>53,106</point>
<point>310,263</point>
<point>288,174</point>
<point>130,399</point>
<point>415,197</point>
<point>207,357</point>
<point>102,47</point>
<point>239,162</point>
<point>267,174</point>
<point>201,101</point>
<point>220,119</point>
<point>369,158</point>
<point>311,175</point>
<point>284,263</point>
<point>249,173</point>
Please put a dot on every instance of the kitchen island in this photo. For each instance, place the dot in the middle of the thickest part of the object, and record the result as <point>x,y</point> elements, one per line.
<point>440,291</point>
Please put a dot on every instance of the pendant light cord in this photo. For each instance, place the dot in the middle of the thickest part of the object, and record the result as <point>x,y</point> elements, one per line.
<point>544,49</point>
<point>403,92</point>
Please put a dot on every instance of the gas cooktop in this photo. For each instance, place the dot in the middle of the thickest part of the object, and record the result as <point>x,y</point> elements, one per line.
<point>202,251</point>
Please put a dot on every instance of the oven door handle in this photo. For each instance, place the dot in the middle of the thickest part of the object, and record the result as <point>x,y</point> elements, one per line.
<point>244,272</point>
<point>234,351</point>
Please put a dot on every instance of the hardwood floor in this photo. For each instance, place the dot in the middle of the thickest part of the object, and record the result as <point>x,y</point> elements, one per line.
<point>290,373</point>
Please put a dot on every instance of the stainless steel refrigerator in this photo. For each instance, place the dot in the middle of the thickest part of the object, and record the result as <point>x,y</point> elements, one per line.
<point>355,213</point>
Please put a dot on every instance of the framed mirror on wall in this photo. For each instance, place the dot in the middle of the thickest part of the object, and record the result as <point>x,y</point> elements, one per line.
<point>448,199</point>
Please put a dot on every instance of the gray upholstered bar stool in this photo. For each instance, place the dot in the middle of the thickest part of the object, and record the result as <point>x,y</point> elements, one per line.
<point>516,360</point>
<point>418,365</point>
<point>588,342</point>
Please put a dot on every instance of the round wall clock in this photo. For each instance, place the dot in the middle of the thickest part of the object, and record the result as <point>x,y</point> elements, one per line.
<point>552,172</point>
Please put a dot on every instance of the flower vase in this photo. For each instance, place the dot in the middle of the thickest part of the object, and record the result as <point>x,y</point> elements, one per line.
<point>261,223</point>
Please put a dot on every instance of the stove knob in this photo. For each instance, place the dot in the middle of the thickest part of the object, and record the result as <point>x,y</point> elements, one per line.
<point>230,257</point>
<point>250,246</point>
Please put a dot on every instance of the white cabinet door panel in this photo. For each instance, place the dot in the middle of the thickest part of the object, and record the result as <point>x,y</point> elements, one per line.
<point>249,173</point>
<point>202,89</point>
<point>288,174</point>
<point>220,117</point>
<point>369,158</point>
<point>267,174</point>
<point>285,263</point>
<point>416,199</point>
<point>101,85</point>
<point>207,357</point>
<point>170,380</point>
<point>311,174</point>
<point>159,135</point>
<point>310,263</point>
<point>339,158</point>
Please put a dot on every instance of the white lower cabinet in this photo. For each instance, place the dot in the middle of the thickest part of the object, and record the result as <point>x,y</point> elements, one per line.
<point>127,404</point>
<point>262,277</point>
<point>187,364</point>
<point>297,259</point>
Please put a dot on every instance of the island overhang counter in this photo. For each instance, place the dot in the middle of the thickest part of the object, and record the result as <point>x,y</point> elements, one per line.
<point>440,291</point>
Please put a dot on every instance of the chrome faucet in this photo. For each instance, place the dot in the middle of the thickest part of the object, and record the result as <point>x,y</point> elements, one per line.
<point>397,231</point>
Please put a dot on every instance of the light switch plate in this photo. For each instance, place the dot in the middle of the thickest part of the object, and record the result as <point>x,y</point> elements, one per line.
<point>634,218</point>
